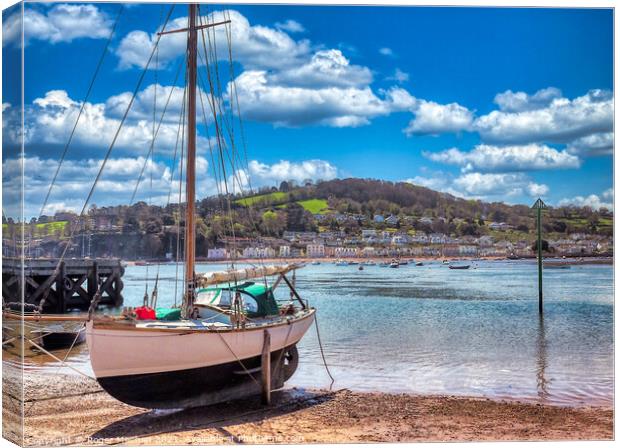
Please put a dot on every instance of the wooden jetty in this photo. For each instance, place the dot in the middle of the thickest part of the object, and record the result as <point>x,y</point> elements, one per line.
<point>69,288</point>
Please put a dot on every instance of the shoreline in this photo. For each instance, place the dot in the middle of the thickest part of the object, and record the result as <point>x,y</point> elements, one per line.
<point>331,260</point>
<point>295,416</point>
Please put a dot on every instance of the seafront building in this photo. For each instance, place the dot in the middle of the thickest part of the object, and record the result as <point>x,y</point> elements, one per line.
<point>217,254</point>
<point>315,250</point>
<point>259,252</point>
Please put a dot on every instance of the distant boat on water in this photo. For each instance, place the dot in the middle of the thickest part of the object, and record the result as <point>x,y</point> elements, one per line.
<point>556,265</point>
<point>459,266</point>
<point>341,263</point>
<point>394,264</point>
<point>419,263</point>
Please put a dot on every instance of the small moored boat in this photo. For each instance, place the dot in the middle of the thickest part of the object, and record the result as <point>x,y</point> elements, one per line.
<point>459,266</point>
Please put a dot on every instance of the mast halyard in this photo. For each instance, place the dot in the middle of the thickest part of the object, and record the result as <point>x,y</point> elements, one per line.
<point>190,186</point>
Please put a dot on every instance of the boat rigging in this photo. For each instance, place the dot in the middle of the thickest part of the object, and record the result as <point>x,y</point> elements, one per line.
<point>231,336</point>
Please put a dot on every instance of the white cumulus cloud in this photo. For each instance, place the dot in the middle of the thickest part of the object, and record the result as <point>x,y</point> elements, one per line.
<point>119,178</point>
<point>76,178</point>
<point>59,23</point>
<point>595,202</point>
<point>287,82</point>
<point>489,158</point>
<point>601,144</point>
<point>490,185</point>
<point>50,119</point>
<point>264,174</point>
<point>262,100</point>
<point>325,68</point>
<point>533,189</point>
<point>255,46</point>
<point>510,101</point>
<point>433,118</point>
<point>560,121</point>
<point>292,26</point>
<point>483,186</point>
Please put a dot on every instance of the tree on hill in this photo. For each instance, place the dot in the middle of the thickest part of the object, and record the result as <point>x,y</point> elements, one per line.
<point>298,219</point>
<point>273,223</point>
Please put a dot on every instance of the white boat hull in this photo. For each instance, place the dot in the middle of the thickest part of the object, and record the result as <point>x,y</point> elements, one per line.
<point>167,367</point>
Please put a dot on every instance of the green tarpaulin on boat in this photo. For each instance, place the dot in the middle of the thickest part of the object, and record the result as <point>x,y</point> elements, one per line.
<point>168,313</point>
<point>262,295</point>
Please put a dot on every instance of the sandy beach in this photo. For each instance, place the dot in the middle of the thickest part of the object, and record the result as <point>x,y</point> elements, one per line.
<point>72,410</point>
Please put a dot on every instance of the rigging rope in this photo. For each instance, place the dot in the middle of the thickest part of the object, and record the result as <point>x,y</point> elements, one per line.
<point>234,156</point>
<point>109,151</point>
<point>150,196</point>
<point>88,91</point>
<point>149,154</point>
<point>133,97</point>
<point>220,147</point>
<point>179,214</point>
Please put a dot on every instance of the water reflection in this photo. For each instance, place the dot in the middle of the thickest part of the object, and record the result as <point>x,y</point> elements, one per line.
<point>541,360</point>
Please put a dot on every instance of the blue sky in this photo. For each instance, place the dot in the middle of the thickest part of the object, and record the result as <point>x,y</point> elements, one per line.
<point>497,104</point>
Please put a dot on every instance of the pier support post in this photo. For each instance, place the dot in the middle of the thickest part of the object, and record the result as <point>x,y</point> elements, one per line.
<point>61,290</point>
<point>266,368</point>
<point>118,287</point>
<point>93,280</point>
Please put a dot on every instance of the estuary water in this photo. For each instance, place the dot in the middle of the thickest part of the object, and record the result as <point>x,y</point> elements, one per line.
<point>431,330</point>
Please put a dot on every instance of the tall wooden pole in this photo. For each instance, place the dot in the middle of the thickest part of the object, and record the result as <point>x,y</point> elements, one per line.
<point>539,205</point>
<point>540,266</point>
<point>190,186</point>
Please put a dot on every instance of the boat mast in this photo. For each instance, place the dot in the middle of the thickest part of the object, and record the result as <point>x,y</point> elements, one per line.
<point>190,182</point>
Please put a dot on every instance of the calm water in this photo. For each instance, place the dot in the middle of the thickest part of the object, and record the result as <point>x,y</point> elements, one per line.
<point>431,330</point>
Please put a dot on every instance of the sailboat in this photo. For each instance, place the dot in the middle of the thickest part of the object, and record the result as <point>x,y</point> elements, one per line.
<point>214,345</point>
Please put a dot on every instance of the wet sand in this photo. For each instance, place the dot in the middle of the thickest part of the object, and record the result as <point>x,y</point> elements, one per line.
<point>91,417</point>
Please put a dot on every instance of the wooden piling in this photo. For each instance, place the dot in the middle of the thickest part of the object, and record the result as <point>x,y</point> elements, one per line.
<point>266,368</point>
<point>61,293</point>
<point>93,279</point>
